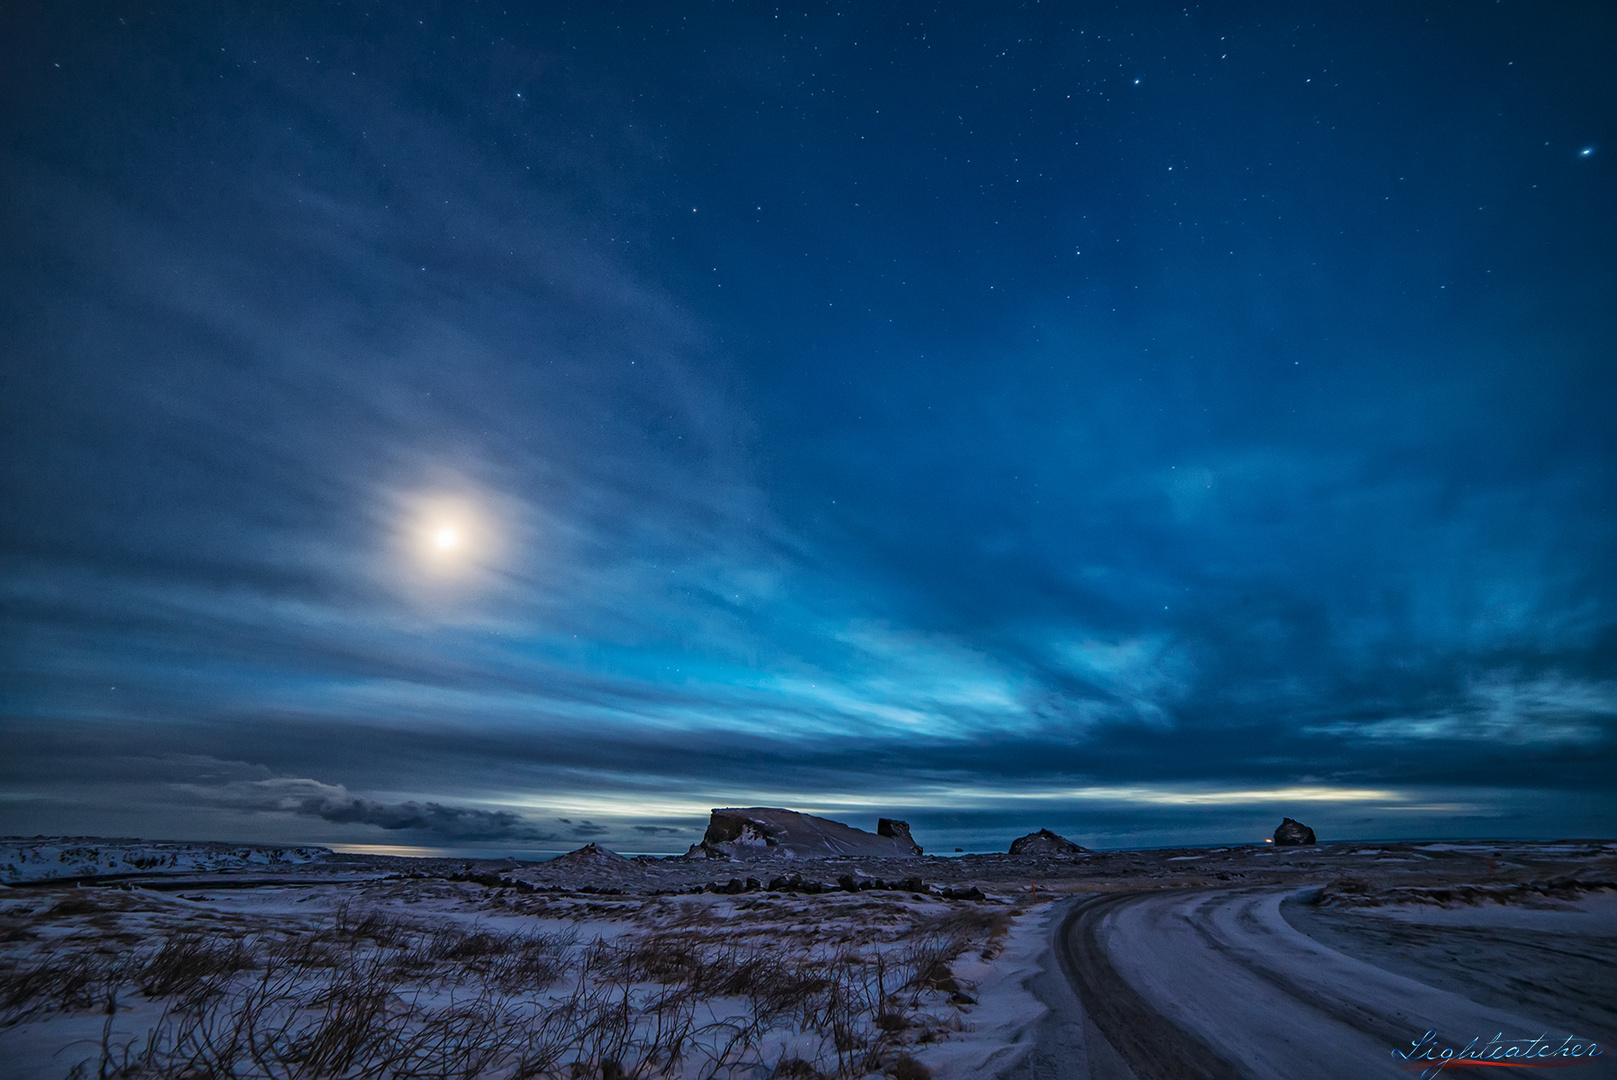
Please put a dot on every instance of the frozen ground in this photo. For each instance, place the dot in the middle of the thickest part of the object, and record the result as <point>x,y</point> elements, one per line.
<point>1213,962</point>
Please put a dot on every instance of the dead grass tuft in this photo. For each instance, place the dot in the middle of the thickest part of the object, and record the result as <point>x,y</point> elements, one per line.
<point>83,980</point>
<point>905,1067</point>
<point>185,962</point>
<point>77,902</point>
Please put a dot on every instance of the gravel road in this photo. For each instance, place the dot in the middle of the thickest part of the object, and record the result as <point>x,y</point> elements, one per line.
<point>1211,984</point>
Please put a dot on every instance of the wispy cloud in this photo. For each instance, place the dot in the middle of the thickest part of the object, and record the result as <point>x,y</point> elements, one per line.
<point>1506,710</point>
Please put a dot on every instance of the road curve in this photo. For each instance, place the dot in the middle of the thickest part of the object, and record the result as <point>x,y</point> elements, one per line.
<point>1216,985</point>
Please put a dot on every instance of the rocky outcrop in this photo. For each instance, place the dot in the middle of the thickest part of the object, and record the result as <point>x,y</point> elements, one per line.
<point>1045,842</point>
<point>1293,833</point>
<point>770,831</point>
<point>590,855</point>
<point>897,830</point>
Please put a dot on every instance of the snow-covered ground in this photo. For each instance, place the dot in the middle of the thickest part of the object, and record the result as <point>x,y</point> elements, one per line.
<point>226,959</point>
<point>1228,969</point>
<point>1267,982</point>
<point>1594,914</point>
<point>438,977</point>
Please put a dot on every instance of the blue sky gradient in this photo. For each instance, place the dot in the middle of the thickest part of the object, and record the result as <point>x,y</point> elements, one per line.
<point>1136,423</point>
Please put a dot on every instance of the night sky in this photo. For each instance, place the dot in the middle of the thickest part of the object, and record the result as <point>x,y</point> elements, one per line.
<point>495,427</point>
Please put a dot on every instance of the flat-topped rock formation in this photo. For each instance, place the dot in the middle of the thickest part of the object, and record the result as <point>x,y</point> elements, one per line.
<point>770,831</point>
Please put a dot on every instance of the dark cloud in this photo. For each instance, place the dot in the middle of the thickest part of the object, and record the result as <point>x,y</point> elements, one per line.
<point>333,803</point>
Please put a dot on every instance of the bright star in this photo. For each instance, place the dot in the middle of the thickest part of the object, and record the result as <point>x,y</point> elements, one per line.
<point>1587,151</point>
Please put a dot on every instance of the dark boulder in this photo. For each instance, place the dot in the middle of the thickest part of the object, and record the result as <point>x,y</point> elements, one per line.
<point>1293,833</point>
<point>972,893</point>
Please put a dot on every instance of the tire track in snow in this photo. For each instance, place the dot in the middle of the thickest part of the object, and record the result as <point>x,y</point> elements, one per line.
<point>1215,984</point>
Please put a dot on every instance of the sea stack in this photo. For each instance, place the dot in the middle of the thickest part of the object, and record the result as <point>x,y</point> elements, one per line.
<point>1293,833</point>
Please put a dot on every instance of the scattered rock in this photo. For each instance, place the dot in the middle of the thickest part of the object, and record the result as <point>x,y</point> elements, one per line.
<point>1045,842</point>
<point>972,893</point>
<point>1293,833</point>
<point>850,883</point>
<point>491,880</point>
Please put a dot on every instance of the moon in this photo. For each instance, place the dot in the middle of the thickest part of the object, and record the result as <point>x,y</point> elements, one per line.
<point>450,538</point>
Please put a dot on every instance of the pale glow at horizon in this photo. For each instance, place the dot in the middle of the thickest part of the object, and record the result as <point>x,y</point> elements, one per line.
<point>403,850</point>
<point>643,805</point>
<point>1170,797</point>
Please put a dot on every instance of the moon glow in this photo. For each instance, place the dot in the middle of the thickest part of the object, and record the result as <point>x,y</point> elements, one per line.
<point>447,536</point>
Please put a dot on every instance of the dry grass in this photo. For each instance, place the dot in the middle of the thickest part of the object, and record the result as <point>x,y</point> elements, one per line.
<point>366,994</point>
<point>185,962</point>
<point>77,980</point>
